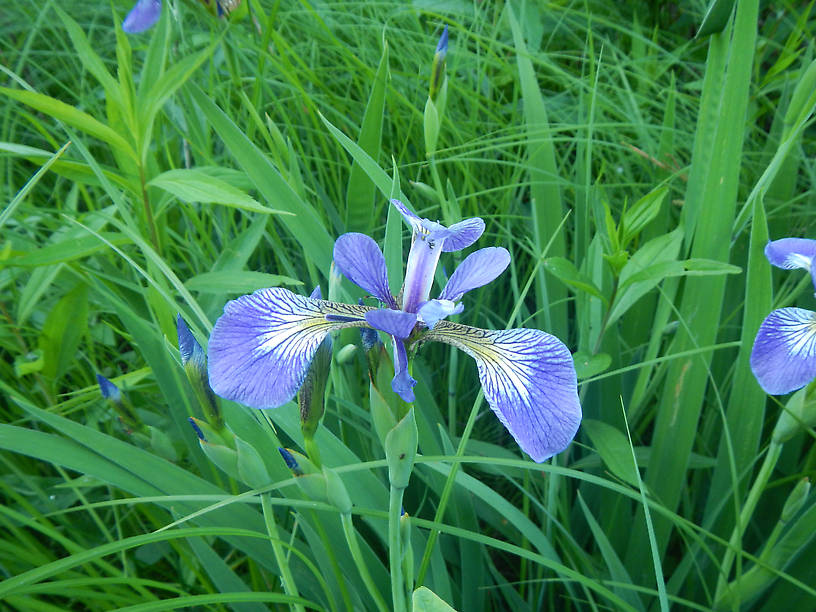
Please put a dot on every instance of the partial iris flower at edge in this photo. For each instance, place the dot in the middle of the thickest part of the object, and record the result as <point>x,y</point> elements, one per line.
<point>261,347</point>
<point>143,16</point>
<point>783,358</point>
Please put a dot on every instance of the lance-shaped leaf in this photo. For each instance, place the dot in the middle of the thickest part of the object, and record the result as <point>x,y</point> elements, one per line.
<point>261,347</point>
<point>528,379</point>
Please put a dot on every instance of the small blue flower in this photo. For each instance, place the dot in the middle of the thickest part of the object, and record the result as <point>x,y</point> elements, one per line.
<point>261,347</point>
<point>108,389</point>
<point>143,16</point>
<point>783,358</point>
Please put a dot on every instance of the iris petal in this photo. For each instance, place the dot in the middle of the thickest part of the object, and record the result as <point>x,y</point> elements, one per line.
<point>402,383</point>
<point>463,234</point>
<point>143,15</point>
<point>528,379</point>
<point>434,311</point>
<point>478,269</point>
<point>410,217</point>
<point>395,322</point>
<point>790,253</point>
<point>784,355</point>
<point>361,261</point>
<point>261,347</point>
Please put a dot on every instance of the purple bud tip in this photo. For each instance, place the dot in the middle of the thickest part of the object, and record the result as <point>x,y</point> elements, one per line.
<point>289,459</point>
<point>402,510</point>
<point>316,294</point>
<point>186,340</point>
<point>442,45</point>
<point>108,389</point>
<point>197,429</point>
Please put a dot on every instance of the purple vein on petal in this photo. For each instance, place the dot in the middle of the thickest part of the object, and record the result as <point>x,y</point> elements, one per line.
<point>783,357</point>
<point>528,379</point>
<point>261,347</point>
<point>360,260</point>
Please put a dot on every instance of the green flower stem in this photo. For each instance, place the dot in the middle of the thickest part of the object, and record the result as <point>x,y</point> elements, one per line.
<point>771,457</point>
<point>395,550</point>
<point>289,586</point>
<point>446,492</point>
<point>357,555</point>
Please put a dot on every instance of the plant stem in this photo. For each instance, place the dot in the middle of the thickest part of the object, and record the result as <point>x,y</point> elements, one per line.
<point>288,582</point>
<point>357,555</point>
<point>446,492</point>
<point>395,550</point>
<point>768,465</point>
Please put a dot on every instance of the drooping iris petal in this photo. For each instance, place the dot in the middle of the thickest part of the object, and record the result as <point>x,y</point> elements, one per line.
<point>261,347</point>
<point>143,15</point>
<point>784,355</point>
<point>528,379</point>
<point>478,269</point>
<point>402,383</point>
<point>461,235</point>
<point>790,253</point>
<point>433,311</point>
<point>361,261</point>
<point>395,322</point>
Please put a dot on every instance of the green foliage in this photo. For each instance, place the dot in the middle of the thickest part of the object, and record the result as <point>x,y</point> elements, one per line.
<point>635,164</point>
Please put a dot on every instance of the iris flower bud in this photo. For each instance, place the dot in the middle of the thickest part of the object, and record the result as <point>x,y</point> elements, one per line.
<point>194,360</point>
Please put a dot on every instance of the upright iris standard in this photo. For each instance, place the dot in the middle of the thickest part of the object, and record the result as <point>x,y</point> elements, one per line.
<point>261,347</point>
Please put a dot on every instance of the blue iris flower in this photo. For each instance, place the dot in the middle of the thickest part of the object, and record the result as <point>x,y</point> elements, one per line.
<point>143,16</point>
<point>783,358</point>
<point>261,347</point>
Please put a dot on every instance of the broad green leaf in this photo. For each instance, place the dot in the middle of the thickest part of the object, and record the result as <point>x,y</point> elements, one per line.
<point>236,281</point>
<point>587,365</point>
<point>71,116</point>
<point>149,104</point>
<point>360,203</point>
<point>67,250</point>
<point>546,205</point>
<point>565,271</point>
<point>613,447</point>
<point>63,330</point>
<point>716,17</point>
<point>425,600</point>
<point>306,226</point>
<point>194,185</point>
<point>641,213</point>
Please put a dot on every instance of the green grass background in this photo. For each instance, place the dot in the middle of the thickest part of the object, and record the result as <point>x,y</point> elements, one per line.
<point>634,158</point>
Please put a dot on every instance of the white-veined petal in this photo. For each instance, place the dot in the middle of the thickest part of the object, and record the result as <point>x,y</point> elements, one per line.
<point>261,347</point>
<point>783,358</point>
<point>528,379</point>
